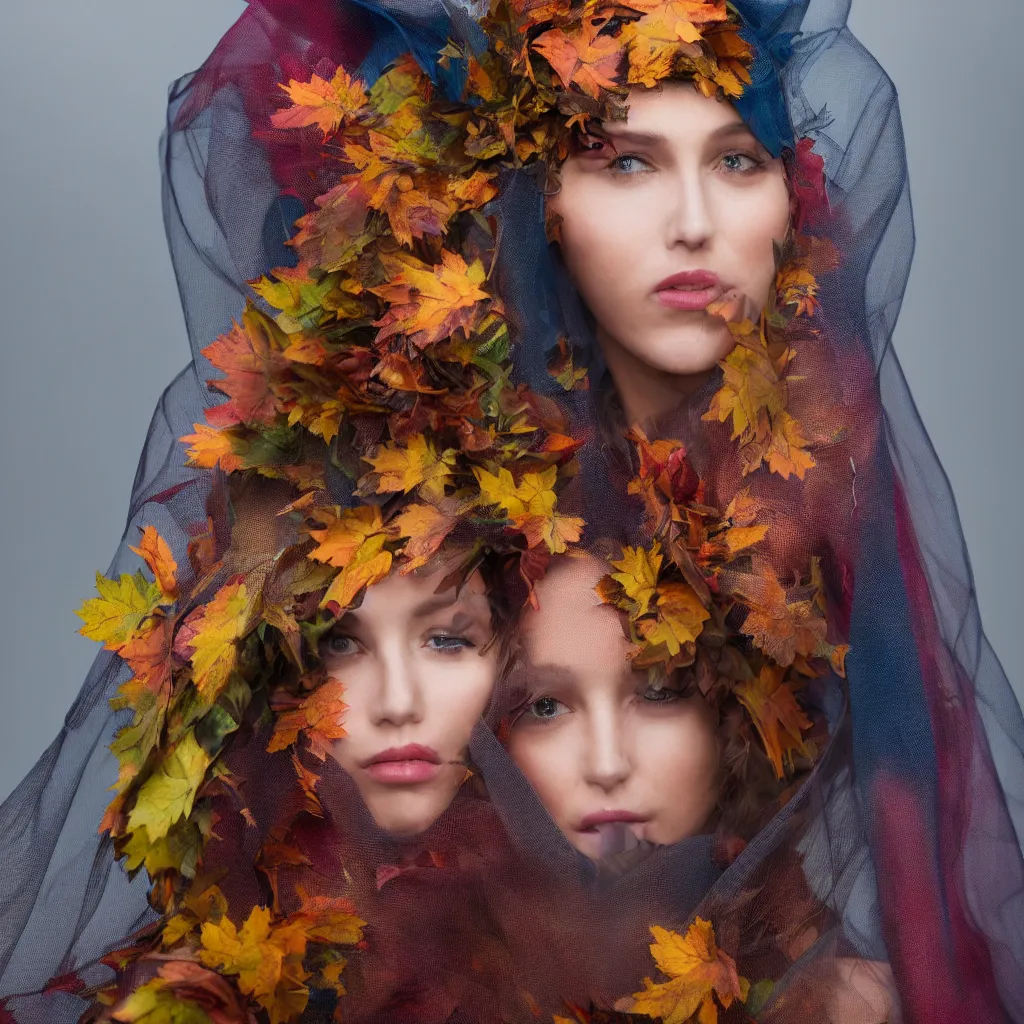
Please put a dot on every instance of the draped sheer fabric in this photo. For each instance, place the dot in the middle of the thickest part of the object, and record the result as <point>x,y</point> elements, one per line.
<point>901,848</point>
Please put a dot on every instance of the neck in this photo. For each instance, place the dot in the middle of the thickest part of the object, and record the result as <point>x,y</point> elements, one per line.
<point>646,393</point>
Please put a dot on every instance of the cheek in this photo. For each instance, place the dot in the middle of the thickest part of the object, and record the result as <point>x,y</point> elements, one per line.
<point>547,762</point>
<point>458,694</point>
<point>753,227</point>
<point>682,756</point>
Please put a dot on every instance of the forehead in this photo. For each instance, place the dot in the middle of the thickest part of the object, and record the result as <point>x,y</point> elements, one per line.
<point>677,112</point>
<point>572,626</point>
<point>412,593</point>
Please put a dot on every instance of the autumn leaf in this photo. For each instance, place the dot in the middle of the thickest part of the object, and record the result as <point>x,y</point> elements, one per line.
<point>156,553</point>
<point>798,287</point>
<point>655,40</point>
<point>168,794</point>
<point>212,634</point>
<point>698,974</point>
<point>779,719</point>
<point>681,616</point>
<point>327,104</point>
<point>787,452</point>
<point>211,447</point>
<point>425,528</point>
<point>119,610</point>
<point>637,574</point>
<point>582,57</point>
<point>562,366</point>
<point>429,302</point>
<point>370,565</point>
<point>250,354</point>
<point>401,467</point>
<point>183,992</point>
<point>319,716</point>
<point>265,956</point>
<point>346,531</point>
<point>329,919</point>
<point>782,630</point>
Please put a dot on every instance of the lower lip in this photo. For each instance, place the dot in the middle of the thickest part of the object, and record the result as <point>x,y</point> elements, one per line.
<point>397,773</point>
<point>688,298</point>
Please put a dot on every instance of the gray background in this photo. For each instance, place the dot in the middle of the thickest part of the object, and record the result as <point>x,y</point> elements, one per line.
<point>92,330</point>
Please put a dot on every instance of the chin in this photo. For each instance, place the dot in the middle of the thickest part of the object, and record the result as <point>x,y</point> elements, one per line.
<point>685,351</point>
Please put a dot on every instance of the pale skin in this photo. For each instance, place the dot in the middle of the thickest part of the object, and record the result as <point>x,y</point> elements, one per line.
<point>418,668</point>
<point>680,186</point>
<point>594,739</point>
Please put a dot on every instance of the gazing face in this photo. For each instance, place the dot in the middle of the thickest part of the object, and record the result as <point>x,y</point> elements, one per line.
<point>418,670</point>
<point>599,745</point>
<point>680,206</point>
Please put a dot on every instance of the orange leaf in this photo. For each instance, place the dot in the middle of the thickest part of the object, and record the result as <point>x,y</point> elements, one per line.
<point>582,57</point>
<point>429,302</point>
<point>698,972</point>
<point>212,448</point>
<point>156,553</point>
<point>426,528</point>
<point>779,719</point>
<point>325,104</point>
<point>399,467</point>
<point>345,533</point>
<point>212,633</point>
<point>319,716</point>
<point>780,629</point>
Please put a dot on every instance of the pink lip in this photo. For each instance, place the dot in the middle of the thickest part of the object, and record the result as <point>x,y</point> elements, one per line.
<point>689,290</point>
<point>591,821</point>
<point>404,765</point>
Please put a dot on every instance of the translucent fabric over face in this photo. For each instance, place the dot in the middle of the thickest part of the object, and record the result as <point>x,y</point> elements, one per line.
<point>882,882</point>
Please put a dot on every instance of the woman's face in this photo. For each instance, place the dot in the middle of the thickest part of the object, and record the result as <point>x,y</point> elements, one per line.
<point>603,749</point>
<point>681,207</point>
<point>418,671</point>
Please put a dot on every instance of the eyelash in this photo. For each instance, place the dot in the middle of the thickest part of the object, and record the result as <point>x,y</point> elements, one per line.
<point>667,696</point>
<point>456,644</point>
<point>616,164</point>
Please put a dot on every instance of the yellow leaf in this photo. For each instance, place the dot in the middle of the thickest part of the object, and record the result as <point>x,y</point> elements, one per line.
<point>120,609</point>
<point>214,636</point>
<point>370,564</point>
<point>319,716</point>
<point>415,464</point>
<point>168,794</point>
<point>638,575</point>
<point>156,553</point>
<point>681,616</point>
<point>698,972</point>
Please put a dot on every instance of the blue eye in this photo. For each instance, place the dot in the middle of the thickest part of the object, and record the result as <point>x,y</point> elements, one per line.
<point>340,644</point>
<point>546,708</point>
<point>629,163</point>
<point>740,163</point>
<point>447,644</point>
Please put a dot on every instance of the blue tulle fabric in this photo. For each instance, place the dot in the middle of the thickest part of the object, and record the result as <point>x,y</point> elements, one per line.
<point>909,829</point>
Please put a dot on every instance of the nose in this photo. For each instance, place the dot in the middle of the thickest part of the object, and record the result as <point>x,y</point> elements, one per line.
<point>399,695</point>
<point>688,216</point>
<point>609,761</point>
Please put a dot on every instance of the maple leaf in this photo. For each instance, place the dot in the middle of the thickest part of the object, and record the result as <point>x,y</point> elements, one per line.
<point>266,957</point>
<point>401,467</point>
<point>637,575</point>
<point>681,616</point>
<point>656,39</point>
<point>798,287</point>
<point>698,972</point>
<point>750,383</point>
<point>329,919</point>
<point>779,719</point>
<point>211,448</point>
<point>168,794</point>
<point>327,104</point>
<point>370,564</point>
<point>211,634</point>
<point>582,57</point>
<point>250,354</point>
<point>425,528</point>
<point>156,553</point>
<point>319,716</point>
<point>787,451</point>
<point>429,302</point>
<point>562,366</point>
<point>780,629</point>
<point>119,610</point>
<point>295,291</point>
<point>346,531</point>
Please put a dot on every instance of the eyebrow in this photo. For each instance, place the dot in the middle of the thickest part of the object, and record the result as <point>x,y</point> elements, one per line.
<point>637,138</point>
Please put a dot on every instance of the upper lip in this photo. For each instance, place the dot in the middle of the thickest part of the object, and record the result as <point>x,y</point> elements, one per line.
<point>410,752</point>
<point>693,279</point>
<point>607,817</point>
